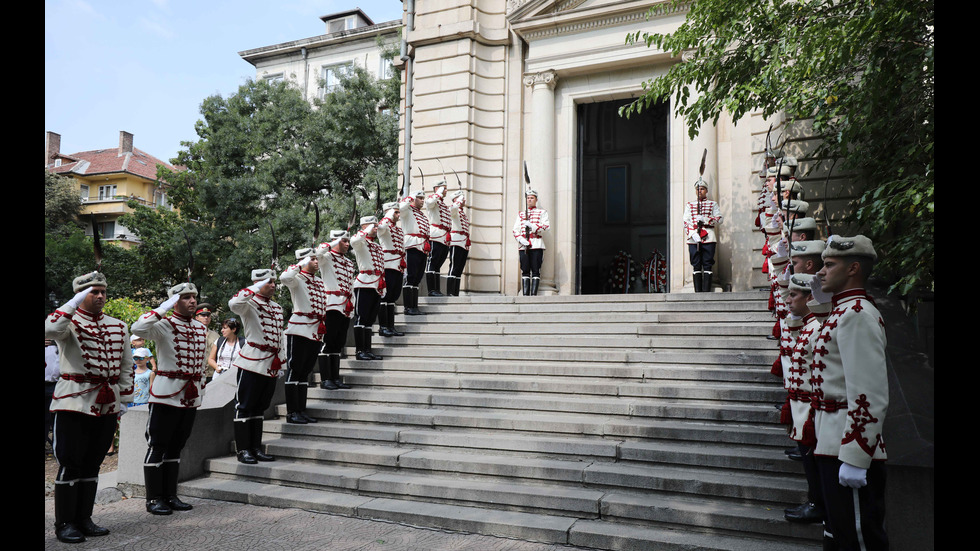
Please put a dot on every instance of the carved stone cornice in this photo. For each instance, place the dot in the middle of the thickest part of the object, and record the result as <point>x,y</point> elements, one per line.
<point>548,78</point>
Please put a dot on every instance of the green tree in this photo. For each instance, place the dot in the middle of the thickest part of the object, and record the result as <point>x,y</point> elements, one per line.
<point>860,70</point>
<point>265,156</point>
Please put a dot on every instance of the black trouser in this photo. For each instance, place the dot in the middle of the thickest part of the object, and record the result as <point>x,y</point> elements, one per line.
<point>814,492</point>
<point>393,285</point>
<point>437,257</point>
<point>365,307</point>
<point>457,259</point>
<point>854,515</point>
<point>336,336</point>
<point>702,256</point>
<point>254,395</point>
<point>167,431</point>
<point>531,262</point>
<point>80,444</point>
<point>415,261</point>
<point>301,356</point>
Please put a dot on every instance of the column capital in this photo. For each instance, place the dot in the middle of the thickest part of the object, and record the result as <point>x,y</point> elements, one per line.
<point>549,78</point>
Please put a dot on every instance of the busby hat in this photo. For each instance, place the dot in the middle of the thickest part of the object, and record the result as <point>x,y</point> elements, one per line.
<point>807,248</point>
<point>90,279</point>
<point>184,288</point>
<point>807,223</point>
<point>262,273</point>
<point>305,252</point>
<point>858,245</point>
<point>800,282</point>
<point>369,220</point>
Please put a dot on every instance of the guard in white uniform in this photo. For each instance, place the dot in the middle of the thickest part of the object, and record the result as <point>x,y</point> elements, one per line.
<point>304,332</point>
<point>175,393</point>
<point>392,240</point>
<point>415,225</point>
<point>850,396</point>
<point>96,374</point>
<point>369,285</point>
<point>459,245</point>
<point>440,226</point>
<point>259,362</point>
<point>337,271</point>
<point>529,230</point>
<point>700,218</point>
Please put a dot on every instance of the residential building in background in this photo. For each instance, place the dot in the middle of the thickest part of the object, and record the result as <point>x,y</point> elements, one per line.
<point>315,64</point>
<point>106,179</point>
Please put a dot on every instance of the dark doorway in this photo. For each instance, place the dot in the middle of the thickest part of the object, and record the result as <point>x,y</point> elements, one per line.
<point>622,197</point>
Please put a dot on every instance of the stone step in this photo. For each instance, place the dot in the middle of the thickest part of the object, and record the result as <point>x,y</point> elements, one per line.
<point>602,371</point>
<point>475,424</point>
<point>721,392</point>
<point>561,530</point>
<point>463,306</point>
<point>392,350</point>
<point>591,403</point>
<point>536,317</point>
<point>633,341</point>
<point>344,439</point>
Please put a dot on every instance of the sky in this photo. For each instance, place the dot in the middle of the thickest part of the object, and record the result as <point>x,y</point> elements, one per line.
<point>145,66</point>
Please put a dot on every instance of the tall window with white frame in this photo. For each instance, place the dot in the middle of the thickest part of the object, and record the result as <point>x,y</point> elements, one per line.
<point>107,192</point>
<point>330,75</point>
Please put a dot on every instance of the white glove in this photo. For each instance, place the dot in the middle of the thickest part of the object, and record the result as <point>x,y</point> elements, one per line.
<point>305,261</point>
<point>852,477</point>
<point>123,409</point>
<point>79,297</point>
<point>259,284</point>
<point>167,304</point>
<point>523,241</point>
<point>817,292</point>
<point>782,249</point>
<point>529,225</point>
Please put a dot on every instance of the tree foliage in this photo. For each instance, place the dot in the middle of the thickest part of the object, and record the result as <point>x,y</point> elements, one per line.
<point>265,156</point>
<point>861,71</point>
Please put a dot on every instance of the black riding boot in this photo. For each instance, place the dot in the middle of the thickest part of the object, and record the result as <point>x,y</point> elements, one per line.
<point>302,390</point>
<point>156,504</point>
<point>255,429</point>
<point>534,285</point>
<point>65,508</point>
<point>526,286</point>
<point>243,442</point>
<point>171,472</point>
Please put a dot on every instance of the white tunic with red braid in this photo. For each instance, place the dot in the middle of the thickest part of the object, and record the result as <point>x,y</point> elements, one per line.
<point>539,224</point>
<point>337,272</point>
<point>850,381</point>
<point>415,224</point>
<point>95,358</point>
<point>264,351</point>
<point>370,258</point>
<point>309,303</point>
<point>392,240</point>
<point>440,223</point>
<point>797,377</point>
<point>181,349</point>
<point>708,213</point>
<point>461,226</point>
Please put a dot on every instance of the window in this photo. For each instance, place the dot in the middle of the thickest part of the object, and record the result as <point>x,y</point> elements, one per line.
<point>386,70</point>
<point>272,79</point>
<point>107,230</point>
<point>83,193</point>
<point>107,192</point>
<point>331,77</point>
<point>344,24</point>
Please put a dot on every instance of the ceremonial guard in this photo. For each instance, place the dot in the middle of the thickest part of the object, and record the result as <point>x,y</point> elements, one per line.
<point>415,225</point>
<point>700,218</point>
<point>304,332</point>
<point>392,240</point>
<point>796,380</point>
<point>440,226</point>
<point>337,271</point>
<point>175,392</point>
<point>459,245</point>
<point>529,230</point>
<point>850,396</point>
<point>96,365</point>
<point>259,362</point>
<point>369,285</point>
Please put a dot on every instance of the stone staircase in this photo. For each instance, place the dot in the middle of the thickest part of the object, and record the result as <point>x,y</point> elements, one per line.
<point>607,422</point>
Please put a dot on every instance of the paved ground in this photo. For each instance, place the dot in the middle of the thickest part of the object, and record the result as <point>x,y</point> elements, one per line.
<point>224,526</point>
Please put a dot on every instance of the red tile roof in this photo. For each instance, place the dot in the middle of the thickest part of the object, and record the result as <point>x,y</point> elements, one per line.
<point>108,161</point>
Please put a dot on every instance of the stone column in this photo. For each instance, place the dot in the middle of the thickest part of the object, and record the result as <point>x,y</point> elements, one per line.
<point>540,156</point>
